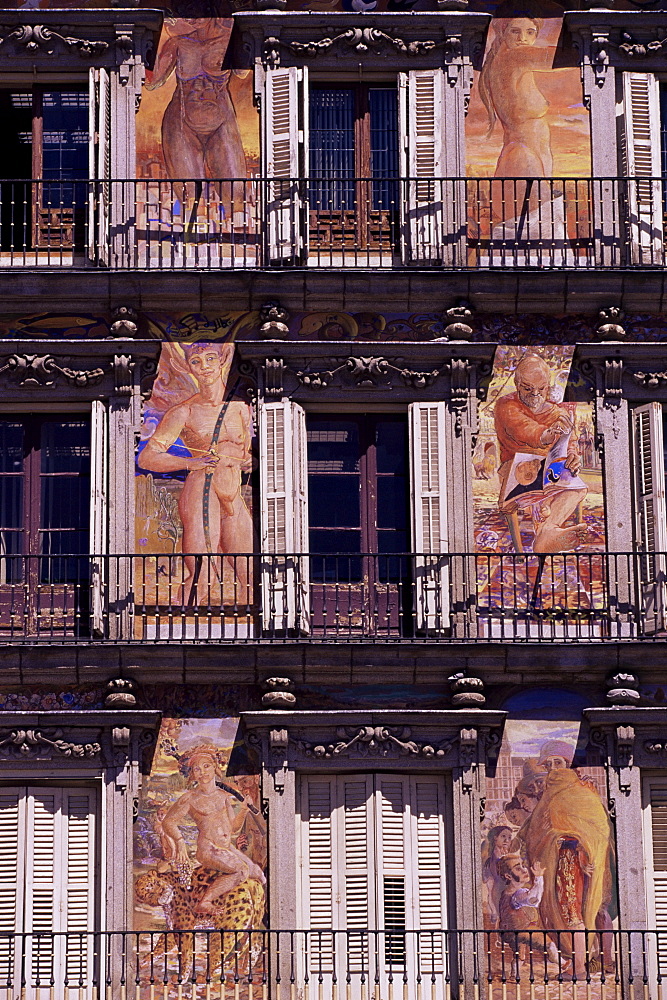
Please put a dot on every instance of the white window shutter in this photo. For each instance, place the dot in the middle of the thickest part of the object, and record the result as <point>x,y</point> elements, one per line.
<point>355,840</point>
<point>284,130</point>
<point>99,162</point>
<point>421,120</point>
<point>641,108</point>
<point>655,839</point>
<point>428,488</point>
<point>394,903</point>
<point>12,832</point>
<point>428,867</point>
<point>98,514</point>
<point>284,516</point>
<point>651,512</point>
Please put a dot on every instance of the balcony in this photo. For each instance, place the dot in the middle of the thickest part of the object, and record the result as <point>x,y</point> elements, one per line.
<point>456,224</point>
<point>351,598</point>
<point>203,962</point>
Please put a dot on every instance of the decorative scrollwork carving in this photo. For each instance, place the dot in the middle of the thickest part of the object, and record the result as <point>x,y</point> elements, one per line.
<point>32,743</point>
<point>361,40</point>
<point>32,370</point>
<point>374,741</point>
<point>650,378</point>
<point>38,38</point>
<point>365,372</point>
<point>641,50</point>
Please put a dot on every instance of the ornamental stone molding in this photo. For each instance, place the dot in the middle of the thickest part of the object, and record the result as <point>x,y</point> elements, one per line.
<point>88,738</point>
<point>432,370</point>
<point>78,370</point>
<point>636,372</point>
<point>621,38</point>
<point>459,740</point>
<point>43,37</point>
<point>629,738</point>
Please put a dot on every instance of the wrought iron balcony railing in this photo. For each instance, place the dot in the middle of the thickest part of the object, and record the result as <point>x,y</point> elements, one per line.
<point>282,598</point>
<point>352,964</point>
<point>453,223</point>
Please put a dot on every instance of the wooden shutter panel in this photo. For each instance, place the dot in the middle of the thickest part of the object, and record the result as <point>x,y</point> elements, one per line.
<point>12,809</point>
<point>284,128</point>
<point>98,514</point>
<point>641,100</point>
<point>421,104</point>
<point>428,866</point>
<point>356,847</point>
<point>99,162</point>
<point>651,510</point>
<point>658,865</point>
<point>393,835</point>
<point>429,514</point>
<point>284,516</point>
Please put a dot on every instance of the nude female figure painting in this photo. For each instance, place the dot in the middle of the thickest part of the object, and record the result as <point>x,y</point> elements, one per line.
<point>215,428</point>
<point>510,94</point>
<point>200,132</point>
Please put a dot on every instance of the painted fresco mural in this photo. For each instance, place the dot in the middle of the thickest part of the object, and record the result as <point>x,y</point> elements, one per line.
<point>547,844</point>
<point>527,120</point>
<point>537,484</point>
<point>199,852</point>
<point>193,490</point>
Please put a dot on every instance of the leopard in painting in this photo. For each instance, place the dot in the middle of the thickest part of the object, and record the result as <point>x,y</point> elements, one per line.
<point>241,909</point>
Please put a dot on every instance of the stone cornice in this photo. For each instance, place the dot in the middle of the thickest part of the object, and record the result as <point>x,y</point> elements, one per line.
<point>457,739</point>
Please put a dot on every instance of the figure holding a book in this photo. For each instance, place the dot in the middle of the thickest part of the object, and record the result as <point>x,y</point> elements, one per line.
<point>539,458</point>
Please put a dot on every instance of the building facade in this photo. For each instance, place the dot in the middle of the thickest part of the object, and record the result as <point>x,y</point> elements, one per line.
<point>333,565</point>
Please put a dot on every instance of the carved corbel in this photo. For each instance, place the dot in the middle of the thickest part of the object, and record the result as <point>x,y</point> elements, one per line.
<point>458,326</point>
<point>625,743</point>
<point>599,57</point>
<point>453,57</point>
<point>460,390</point>
<point>274,376</point>
<point>123,368</point>
<point>124,320</point>
<point>609,326</point>
<point>278,763</point>
<point>613,380</point>
<point>274,321</point>
<point>468,758</point>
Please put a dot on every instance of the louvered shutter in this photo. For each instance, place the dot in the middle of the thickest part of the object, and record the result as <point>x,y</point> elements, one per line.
<point>641,145</point>
<point>650,511</point>
<point>373,860</point>
<point>99,160</point>
<point>98,515</point>
<point>421,104</point>
<point>12,807</point>
<point>285,128</point>
<point>656,866</point>
<point>284,517</point>
<point>428,488</point>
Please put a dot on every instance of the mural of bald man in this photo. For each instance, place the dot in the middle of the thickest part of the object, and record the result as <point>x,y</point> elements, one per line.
<point>528,424</point>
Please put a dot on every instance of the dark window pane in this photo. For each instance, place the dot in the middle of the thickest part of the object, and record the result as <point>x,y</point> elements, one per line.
<point>331,145</point>
<point>57,543</point>
<point>333,446</point>
<point>333,501</point>
<point>65,502</point>
<point>11,446</point>
<point>383,114</point>
<point>393,541</point>
<point>11,501</point>
<point>392,503</point>
<point>391,444</point>
<point>65,137</point>
<point>335,541</point>
<point>65,446</point>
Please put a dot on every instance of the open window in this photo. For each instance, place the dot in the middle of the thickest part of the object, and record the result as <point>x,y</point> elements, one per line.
<point>45,522</point>
<point>353,191</point>
<point>44,167</point>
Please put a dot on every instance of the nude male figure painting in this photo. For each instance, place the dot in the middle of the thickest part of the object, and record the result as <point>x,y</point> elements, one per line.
<point>217,432</point>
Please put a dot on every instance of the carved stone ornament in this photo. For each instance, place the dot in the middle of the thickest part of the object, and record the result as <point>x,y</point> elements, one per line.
<point>361,40</point>
<point>123,366</point>
<point>32,370</point>
<point>33,743</point>
<point>278,693</point>
<point>623,689</point>
<point>42,40</point>
<point>650,379</point>
<point>609,324</point>
<point>366,373</point>
<point>374,741</point>
<point>599,56</point>
<point>458,327</point>
<point>467,692</point>
<point>120,693</point>
<point>273,321</point>
<point>124,320</point>
<point>642,50</point>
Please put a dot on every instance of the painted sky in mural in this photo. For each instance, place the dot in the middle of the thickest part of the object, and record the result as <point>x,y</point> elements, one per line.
<point>199,846</point>
<point>193,476</point>
<point>547,849</point>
